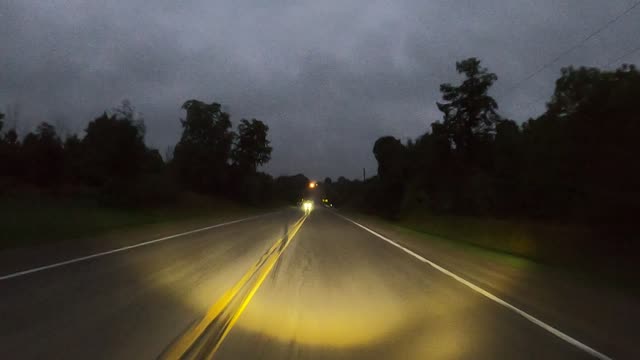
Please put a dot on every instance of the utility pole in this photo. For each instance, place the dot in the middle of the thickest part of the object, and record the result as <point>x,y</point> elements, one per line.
<point>364,174</point>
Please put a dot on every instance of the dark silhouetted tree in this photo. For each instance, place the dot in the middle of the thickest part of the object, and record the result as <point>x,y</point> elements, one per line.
<point>153,162</point>
<point>10,165</point>
<point>469,121</point>
<point>114,150</point>
<point>74,159</point>
<point>42,156</point>
<point>251,148</point>
<point>508,164</point>
<point>582,153</point>
<point>201,157</point>
<point>391,156</point>
<point>291,188</point>
<point>469,112</point>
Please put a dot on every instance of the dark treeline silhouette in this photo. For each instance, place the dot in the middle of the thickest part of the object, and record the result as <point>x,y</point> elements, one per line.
<point>575,163</point>
<point>111,160</point>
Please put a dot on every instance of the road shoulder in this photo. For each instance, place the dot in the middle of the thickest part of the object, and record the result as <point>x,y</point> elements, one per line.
<point>19,259</point>
<point>595,314</point>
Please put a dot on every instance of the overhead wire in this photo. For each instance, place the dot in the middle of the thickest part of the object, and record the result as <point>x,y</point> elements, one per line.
<point>575,46</point>
<point>628,53</point>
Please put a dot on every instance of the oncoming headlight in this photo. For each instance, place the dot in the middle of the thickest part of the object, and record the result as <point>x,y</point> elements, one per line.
<point>307,206</point>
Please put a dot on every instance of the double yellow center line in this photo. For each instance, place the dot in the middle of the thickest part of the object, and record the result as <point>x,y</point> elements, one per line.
<point>203,339</point>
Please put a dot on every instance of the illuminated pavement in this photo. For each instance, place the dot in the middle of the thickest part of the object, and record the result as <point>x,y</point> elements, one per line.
<point>327,290</point>
<point>342,293</point>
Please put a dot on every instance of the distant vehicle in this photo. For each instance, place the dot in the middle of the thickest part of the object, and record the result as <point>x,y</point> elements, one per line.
<point>307,206</point>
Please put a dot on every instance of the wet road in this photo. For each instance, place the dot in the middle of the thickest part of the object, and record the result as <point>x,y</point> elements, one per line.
<point>282,286</point>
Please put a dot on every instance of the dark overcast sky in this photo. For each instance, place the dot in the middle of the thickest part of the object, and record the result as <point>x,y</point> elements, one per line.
<point>329,77</point>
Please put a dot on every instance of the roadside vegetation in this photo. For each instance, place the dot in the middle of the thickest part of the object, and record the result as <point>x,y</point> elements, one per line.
<point>561,187</point>
<point>54,188</point>
<point>29,219</point>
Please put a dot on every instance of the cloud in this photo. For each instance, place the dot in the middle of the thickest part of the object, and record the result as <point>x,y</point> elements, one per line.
<point>329,77</point>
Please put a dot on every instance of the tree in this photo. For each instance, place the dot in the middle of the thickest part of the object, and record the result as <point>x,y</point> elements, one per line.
<point>202,155</point>
<point>153,162</point>
<point>469,112</point>
<point>252,147</point>
<point>114,150</point>
<point>10,154</point>
<point>126,111</point>
<point>390,154</point>
<point>507,166</point>
<point>257,188</point>
<point>469,125</point>
<point>588,140</point>
<point>291,188</point>
<point>74,158</point>
<point>42,156</point>
<point>391,157</point>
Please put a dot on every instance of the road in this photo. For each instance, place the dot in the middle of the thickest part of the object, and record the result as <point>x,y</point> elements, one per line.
<point>280,286</point>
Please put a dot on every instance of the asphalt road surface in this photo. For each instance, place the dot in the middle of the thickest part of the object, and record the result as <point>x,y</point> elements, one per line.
<point>280,286</point>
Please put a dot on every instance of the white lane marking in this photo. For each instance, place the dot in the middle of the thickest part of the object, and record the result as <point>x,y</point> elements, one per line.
<point>83,258</point>
<point>489,295</point>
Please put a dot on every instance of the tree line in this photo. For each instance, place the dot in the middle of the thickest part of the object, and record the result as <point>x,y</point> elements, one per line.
<point>577,162</point>
<point>111,160</point>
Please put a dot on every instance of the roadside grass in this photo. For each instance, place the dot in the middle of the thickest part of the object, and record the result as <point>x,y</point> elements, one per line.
<point>30,220</point>
<point>449,239</point>
<point>524,244</point>
<point>537,241</point>
<point>516,261</point>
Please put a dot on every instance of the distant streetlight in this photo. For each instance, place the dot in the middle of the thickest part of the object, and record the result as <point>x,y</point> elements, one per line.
<point>313,185</point>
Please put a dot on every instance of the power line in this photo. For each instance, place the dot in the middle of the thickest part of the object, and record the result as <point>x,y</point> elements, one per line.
<point>628,53</point>
<point>574,47</point>
<point>537,100</point>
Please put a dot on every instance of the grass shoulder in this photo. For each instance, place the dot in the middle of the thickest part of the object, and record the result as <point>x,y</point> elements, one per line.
<point>33,219</point>
<point>519,243</point>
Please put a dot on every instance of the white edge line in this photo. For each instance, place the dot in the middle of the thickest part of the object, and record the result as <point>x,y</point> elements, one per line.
<point>489,295</point>
<point>84,258</point>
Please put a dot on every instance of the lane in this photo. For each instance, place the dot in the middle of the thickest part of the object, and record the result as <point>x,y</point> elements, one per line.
<point>131,304</point>
<point>93,255</point>
<point>339,292</point>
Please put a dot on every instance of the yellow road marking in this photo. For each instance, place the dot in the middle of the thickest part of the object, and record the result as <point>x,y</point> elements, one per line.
<point>186,341</point>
